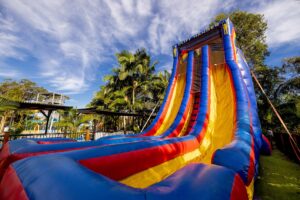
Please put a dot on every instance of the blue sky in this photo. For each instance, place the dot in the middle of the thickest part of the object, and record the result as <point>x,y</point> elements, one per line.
<point>67,46</point>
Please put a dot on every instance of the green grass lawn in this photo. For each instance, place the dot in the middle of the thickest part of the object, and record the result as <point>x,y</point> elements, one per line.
<point>279,178</point>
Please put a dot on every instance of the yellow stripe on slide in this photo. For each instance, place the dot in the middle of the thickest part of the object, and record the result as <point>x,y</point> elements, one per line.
<point>175,100</point>
<point>220,133</point>
<point>250,189</point>
<point>155,174</point>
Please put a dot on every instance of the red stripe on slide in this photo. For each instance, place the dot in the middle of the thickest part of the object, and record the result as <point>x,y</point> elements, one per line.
<point>268,142</point>
<point>120,166</point>
<point>180,126</point>
<point>13,188</point>
<point>238,191</point>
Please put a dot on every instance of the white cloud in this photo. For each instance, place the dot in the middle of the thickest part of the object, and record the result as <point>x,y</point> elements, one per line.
<point>283,19</point>
<point>72,39</point>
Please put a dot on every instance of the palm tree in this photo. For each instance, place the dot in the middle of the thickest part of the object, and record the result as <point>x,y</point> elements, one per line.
<point>133,86</point>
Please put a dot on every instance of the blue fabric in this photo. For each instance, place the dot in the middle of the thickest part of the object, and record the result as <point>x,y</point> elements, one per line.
<point>76,182</point>
<point>236,155</point>
<point>204,92</point>
<point>245,71</point>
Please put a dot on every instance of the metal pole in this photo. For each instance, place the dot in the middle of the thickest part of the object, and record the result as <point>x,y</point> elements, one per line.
<point>274,110</point>
<point>150,116</point>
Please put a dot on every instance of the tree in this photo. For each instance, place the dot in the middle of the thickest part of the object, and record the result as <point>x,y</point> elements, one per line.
<point>133,86</point>
<point>287,93</point>
<point>71,121</point>
<point>250,35</point>
<point>282,86</point>
<point>23,90</point>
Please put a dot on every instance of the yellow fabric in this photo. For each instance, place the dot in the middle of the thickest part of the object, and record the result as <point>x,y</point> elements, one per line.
<point>175,100</point>
<point>220,131</point>
<point>250,189</point>
<point>155,174</point>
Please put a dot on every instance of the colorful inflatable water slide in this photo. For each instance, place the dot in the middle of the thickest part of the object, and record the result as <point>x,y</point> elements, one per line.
<point>204,143</point>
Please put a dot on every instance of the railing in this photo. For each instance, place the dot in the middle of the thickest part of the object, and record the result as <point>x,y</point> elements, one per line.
<point>80,136</point>
<point>104,134</point>
<point>75,136</point>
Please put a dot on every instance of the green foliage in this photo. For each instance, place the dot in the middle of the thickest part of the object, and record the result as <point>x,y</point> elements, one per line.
<point>23,90</point>
<point>133,86</point>
<point>72,121</point>
<point>250,35</point>
<point>281,85</point>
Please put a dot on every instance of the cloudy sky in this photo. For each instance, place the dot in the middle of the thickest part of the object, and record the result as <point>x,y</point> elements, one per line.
<point>67,46</point>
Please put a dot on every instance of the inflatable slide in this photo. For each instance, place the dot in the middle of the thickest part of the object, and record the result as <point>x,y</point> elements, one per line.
<point>204,143</point>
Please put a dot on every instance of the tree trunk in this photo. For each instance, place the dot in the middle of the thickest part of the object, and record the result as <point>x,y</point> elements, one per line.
<point>133,97</point>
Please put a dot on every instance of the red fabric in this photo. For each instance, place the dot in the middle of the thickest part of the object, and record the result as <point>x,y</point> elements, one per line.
<point>195,112</point>
<point>268,142</point>
<point>180,126</point>
<point>238,191</point>
<point>4,151</point>
<point>120,166</point>
<point>13,189</point>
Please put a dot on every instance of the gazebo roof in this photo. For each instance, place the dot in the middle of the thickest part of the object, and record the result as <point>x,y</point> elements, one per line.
<point>23,105</point>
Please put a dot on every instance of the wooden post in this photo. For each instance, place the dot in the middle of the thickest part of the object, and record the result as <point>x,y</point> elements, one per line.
<point>87,134</point>
<point>94,128</point>
<point>47,119</point>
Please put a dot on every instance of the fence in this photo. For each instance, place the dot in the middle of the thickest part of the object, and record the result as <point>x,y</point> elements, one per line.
<point>104,134</point>
<point>77,136</point>
<point>283,143</point>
